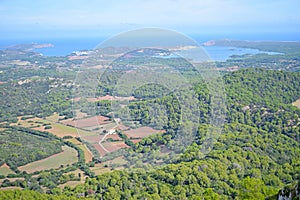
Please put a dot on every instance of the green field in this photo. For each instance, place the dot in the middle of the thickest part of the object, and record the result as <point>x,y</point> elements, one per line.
<point>21,146</point>
<point>68,156</point>
<point>57,129</point>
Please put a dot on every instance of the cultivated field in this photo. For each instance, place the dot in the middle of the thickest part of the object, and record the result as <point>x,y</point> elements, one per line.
<point>114,137</point>
<point>93,133</point>
<point>87,122</point>
<point>113,146</point>
<point>68,156</point>
<point>100,149</point>
<point>93,138</point>
<point>141,132</point>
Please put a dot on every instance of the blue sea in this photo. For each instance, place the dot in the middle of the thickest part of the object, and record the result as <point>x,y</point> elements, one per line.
<point>65,46</point>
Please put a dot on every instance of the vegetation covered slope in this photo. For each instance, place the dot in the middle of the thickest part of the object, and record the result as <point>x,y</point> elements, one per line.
<point>255,156</point>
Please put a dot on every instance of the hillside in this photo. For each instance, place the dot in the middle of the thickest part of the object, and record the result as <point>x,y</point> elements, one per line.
<point>134,150</point>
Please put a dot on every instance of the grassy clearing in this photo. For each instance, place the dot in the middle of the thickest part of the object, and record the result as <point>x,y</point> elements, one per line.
<point>71,184</point>
<point>87,154</point>
<point>106,167</point>
<point>5,170</point>
<point>11,180</point>
<point>297,103</point>
<point>74,141</point>
<point>11,188</point>
<point>68,156</point>
<point>61,130</point>
<point>80,115</point>
<point>74,183</point>
<point>53,118</point>
<point>100,169</point>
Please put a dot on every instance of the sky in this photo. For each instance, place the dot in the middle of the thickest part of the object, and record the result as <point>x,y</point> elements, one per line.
<point>73,18</point>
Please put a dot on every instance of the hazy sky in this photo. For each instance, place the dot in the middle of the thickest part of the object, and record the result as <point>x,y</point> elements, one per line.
<point>24,18</point>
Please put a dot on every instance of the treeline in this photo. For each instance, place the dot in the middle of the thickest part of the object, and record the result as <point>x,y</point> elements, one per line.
<point>32,195</point>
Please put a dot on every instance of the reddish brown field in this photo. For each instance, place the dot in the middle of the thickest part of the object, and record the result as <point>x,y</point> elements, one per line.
<point>100,149</point>
<point>141,132</point>
<point>93,138</point>
<point>113,146</point>
<point>109,146</point>
<point>87,122</point>
<point>76,99</point>
<point>113,136</point>
<point>136,140</point>
<point>123,127</point>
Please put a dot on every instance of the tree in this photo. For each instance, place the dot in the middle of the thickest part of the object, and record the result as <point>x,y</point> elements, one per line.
<point>252,188</point>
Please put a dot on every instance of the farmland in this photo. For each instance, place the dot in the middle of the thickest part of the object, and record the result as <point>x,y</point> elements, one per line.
<point>84,128</point>
<point>57,129</point>
<point>67,157</point>
<point>87,122</point>
<point>89,129</point>
<point>141,132</point>
<point>19,147</point>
